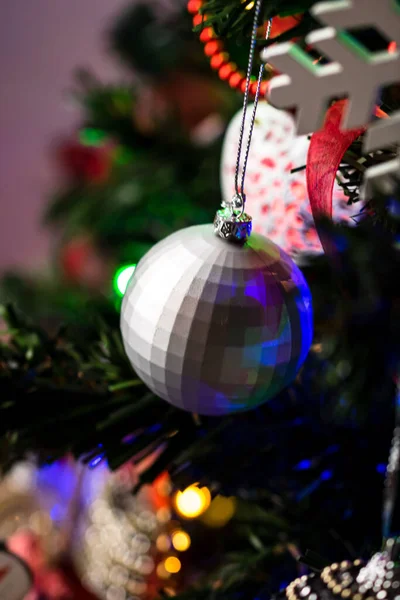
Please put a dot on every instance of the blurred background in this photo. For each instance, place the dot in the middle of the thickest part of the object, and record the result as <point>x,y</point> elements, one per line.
<point>41,44</point>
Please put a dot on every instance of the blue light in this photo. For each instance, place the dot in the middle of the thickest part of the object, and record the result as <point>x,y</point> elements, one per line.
<point>154,428</point>
<point>60,476</point>
<point>309,490</point>
<point>96,461</point>
<point>381,468</point>
<point>303,465</point>
<point>58,512</point>
<point>325,475</point>
<point>283,585</point>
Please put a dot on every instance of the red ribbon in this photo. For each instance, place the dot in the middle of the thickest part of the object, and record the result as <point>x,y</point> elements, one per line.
<point>326,151</point>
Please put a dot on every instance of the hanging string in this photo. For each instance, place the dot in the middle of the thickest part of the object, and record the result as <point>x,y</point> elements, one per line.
<point>392,473</point>
<point>240,191</point>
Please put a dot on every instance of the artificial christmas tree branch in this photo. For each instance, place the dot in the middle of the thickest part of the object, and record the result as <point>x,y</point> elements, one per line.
<point>234,17</point>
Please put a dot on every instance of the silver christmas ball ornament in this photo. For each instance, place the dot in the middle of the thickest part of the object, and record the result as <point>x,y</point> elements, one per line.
<point>215,327</point>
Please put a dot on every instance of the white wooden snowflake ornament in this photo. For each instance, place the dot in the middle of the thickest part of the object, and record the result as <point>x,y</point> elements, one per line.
<point>382,134</point>
<point>354,72</point>
<point>346,14</point>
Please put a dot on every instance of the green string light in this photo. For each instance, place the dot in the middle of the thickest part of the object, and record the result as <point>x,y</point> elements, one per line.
<point>122,277</point>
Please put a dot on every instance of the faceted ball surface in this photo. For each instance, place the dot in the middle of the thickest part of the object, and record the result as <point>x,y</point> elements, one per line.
<point>214,327</point>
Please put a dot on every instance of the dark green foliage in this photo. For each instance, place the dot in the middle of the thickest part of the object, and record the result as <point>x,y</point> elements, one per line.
<point>152,44</point>
<point>231,19</point>
<point>160,180</point>
<point>143,201</point>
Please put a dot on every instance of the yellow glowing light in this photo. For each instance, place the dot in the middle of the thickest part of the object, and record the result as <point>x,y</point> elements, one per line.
<point>250,6</point>
<point>220,512</point>
<point>163,542</point>
<point>181,541</point>
<point>163,514</point>
<point>193,501</point>
<point>172,564</point>
<point>162,573</point>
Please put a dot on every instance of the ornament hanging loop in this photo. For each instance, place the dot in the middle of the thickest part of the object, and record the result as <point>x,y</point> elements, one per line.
<point>232,223</point>
<point>232,228</point>
<point>235,206</point>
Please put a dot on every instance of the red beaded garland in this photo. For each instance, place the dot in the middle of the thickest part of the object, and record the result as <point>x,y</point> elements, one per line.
<point>219,58</point>
<point>235,80</point>
<point>207,34</point>
<point>212,48</point>
<point>226,71</point>
<point>194,6</point>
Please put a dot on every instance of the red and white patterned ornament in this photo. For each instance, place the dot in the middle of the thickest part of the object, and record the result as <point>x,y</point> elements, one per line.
<point>276,198</point>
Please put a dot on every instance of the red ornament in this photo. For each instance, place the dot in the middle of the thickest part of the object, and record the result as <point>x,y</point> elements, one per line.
<point>83,163</point>
<point>325,154</point>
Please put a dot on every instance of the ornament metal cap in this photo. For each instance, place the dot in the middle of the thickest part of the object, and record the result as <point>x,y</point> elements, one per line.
<point>231,223</point>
